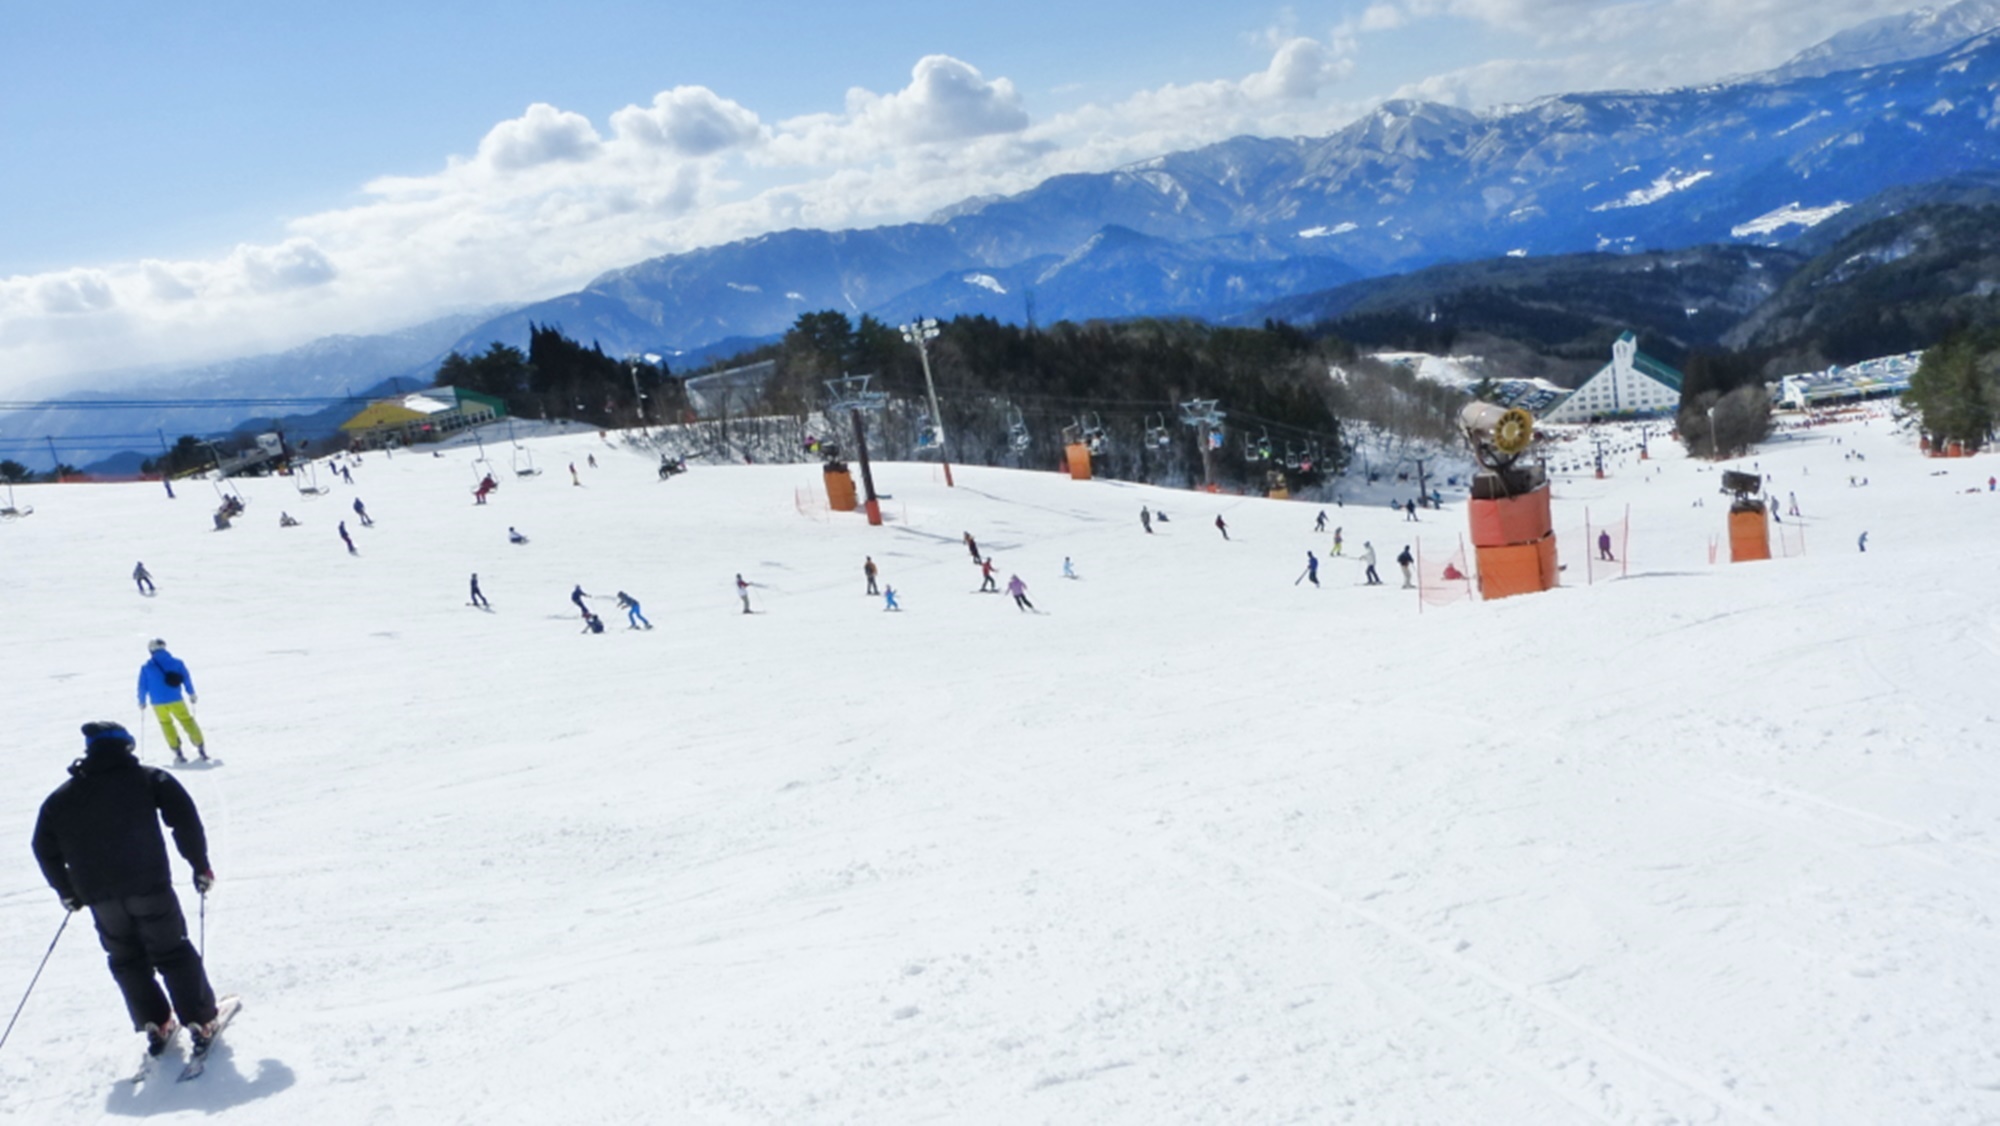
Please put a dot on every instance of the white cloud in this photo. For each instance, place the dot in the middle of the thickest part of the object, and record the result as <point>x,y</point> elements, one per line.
<point>946,100</point>
<point>1300,69</point>
<point>690,121</point>
<point>72,292</point>
<point>543,135</point>
<point>293,264</point>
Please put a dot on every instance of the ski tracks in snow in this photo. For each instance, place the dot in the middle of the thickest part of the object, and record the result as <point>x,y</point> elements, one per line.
<point>1514,1027</point>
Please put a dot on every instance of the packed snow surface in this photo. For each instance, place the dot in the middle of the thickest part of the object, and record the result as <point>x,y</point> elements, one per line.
<point>1790,215</point>
<point>1682,841</point>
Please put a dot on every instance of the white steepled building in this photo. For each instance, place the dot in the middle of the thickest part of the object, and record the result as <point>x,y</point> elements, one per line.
<point>1632,385</point>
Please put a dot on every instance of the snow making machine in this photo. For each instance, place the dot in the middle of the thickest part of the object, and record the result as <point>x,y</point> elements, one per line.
<point>1513,534</point>
<point>1749,526</point>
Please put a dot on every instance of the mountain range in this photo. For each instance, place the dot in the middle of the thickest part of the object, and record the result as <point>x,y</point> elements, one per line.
<point>1251,225</point>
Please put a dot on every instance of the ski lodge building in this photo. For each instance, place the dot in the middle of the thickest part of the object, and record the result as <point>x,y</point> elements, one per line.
<point>1632,385</point>
<point>425,416</point>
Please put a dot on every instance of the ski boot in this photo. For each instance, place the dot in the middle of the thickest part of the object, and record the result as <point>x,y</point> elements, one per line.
<point>159,1036</point>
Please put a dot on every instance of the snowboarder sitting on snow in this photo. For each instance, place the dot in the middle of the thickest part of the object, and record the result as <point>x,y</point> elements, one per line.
<point>514,536</point>
<point>285,520</point>
<point>592,623</point>
<point>99,845</point>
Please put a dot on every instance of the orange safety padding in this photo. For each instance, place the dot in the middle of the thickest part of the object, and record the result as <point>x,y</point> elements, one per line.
<point>1749,536</point>
<point>1515,520</point>
<point>1079,461</point>
<point>840,490</point>
<point>1507,571</point>
<point>1522,568</point>
<point>1280,492</point>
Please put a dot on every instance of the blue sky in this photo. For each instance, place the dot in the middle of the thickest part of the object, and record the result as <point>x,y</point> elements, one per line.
<point>189,182</point>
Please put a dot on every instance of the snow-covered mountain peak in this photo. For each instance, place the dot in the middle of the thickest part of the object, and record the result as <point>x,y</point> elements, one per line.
<point>1891,39</point>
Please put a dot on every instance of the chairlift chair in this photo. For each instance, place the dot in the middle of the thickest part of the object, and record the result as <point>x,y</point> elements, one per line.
<point>12,511</point>
<point>1017,430</point>
<point>1258,450</point>
<point>305,476</point>
<point>524,462</point>
<point>1093,434</point>
<point>1156,432</point>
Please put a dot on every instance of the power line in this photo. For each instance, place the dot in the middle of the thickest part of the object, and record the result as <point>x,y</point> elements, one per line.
<point>175,404</point>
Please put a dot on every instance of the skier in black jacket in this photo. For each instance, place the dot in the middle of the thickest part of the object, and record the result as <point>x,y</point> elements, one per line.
<point>99,844</point>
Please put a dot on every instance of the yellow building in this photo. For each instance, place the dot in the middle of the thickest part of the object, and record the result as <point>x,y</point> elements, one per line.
<point>425,416</point>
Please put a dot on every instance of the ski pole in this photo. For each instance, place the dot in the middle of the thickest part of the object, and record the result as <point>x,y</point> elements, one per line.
<point>38,976</point>
<point>201,951</point>
<point>1301,578</point>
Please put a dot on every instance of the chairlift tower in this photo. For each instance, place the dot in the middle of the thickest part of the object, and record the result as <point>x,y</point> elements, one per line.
<point>920,333</point>
<point>851,393</point>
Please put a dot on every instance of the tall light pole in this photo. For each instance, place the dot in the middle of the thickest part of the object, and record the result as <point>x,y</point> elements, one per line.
<point>920,333</point>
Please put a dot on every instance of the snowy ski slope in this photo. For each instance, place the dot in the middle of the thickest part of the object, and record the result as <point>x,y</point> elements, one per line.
<point>1195,844</point>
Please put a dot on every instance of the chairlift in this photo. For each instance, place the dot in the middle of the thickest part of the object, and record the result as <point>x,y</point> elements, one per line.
<point>930,436</point>
<point>1292,456</point>
<point>1157,435</point>
<point>225,489</point>
<point>1093,433</point>
<point>524,462</point>
<point>305,475</point>
<point>12,511</point>
<point>1017,430</point>
<point>1259,449</point>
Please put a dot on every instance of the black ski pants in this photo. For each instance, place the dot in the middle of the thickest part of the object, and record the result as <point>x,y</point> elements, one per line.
<point>144,935</point>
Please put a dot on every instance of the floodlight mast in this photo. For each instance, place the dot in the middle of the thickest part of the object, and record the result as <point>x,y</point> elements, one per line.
<point>920,333</point>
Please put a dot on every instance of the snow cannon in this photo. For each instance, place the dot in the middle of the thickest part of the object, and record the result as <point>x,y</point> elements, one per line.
<point>1498,435</point>
<point>1513,533</point>
<point>1749,529</point>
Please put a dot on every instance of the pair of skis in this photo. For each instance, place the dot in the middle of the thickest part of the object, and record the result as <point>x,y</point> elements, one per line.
<point>226,1009</point>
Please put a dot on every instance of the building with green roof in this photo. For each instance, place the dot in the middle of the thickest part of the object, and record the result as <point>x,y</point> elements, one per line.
<point>1632,385</point>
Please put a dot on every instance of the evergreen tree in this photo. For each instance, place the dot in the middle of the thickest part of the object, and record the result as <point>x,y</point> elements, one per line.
<point>1956,390</point>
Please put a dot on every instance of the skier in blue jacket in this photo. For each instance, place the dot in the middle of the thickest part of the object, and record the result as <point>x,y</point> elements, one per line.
<point>161,681</point>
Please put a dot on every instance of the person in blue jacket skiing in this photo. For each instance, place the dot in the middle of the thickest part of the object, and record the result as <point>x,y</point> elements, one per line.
<point>162,680</point>
<point>633,618</point>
